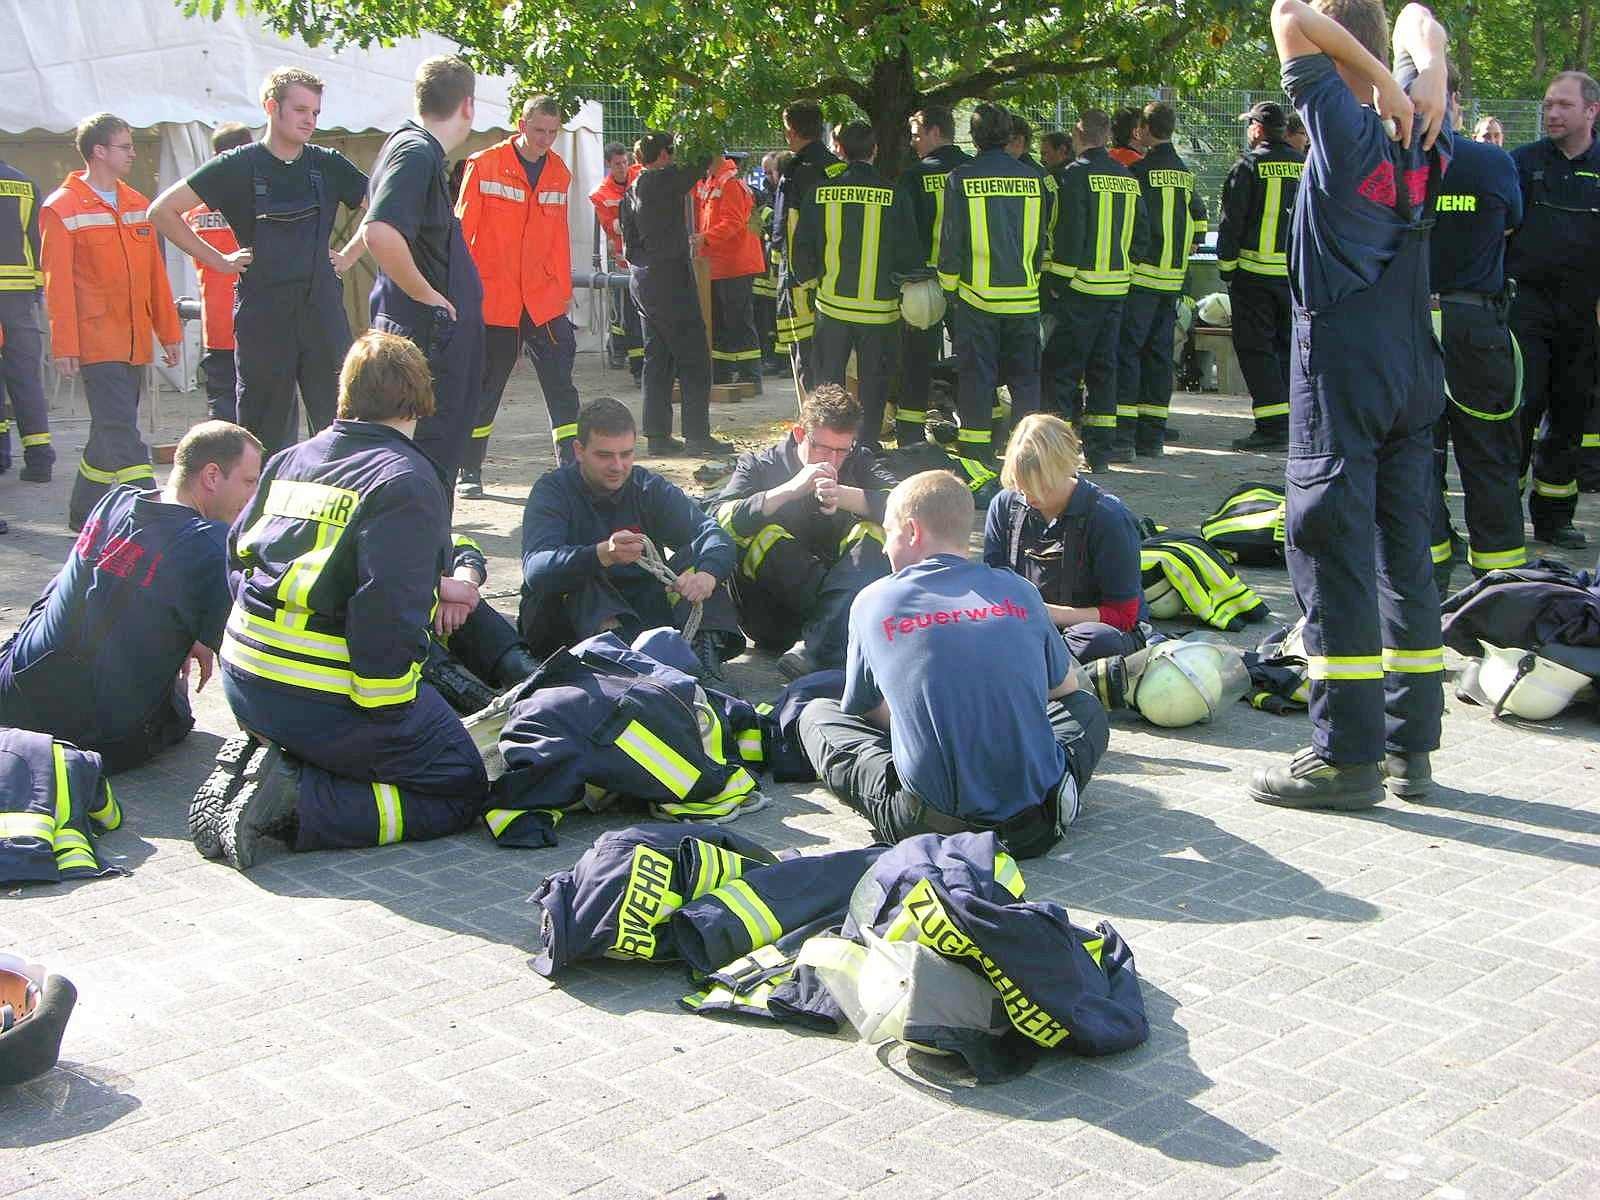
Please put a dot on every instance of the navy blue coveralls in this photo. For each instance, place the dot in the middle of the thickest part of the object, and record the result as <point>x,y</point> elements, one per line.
<point>921,349</point>
<point>339,556</point>
<point>22,360</point>
<point>1480,201</point>
<point>290,327</point>
<point>410,190</point>
<point>567,595</point>
<point>1555,259</point>
<point>96,660</point>
<point>799,569</point>
<point>1366,387</point>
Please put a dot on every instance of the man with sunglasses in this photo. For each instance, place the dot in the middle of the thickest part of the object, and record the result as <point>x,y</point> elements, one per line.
<point>807,518</point>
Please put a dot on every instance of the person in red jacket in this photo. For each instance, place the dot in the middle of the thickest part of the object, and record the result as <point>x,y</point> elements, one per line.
<point>106,291</point>
<point>513,210</point>
<point>733,249</point>
<point>218,290</point>
<point>626,336</point>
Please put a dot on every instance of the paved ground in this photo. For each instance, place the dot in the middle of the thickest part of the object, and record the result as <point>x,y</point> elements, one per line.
<point>1398,1004</point>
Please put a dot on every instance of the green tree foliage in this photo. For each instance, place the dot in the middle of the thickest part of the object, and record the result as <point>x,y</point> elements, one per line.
<point>723,67</point>
<point>1511,48</point>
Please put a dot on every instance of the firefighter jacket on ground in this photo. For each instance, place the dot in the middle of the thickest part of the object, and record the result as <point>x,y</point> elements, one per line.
<point>1177,218</point>
<point>855,241</point>
<point>1545,607</point>
<point>903,462</point>
<point>783,754</point>
<point>923,183</point>
<point>729,243</point>
<point>603,720</point>
<point>104,277</point>
<point>607,201</point>
<point>516,230</point>
<point>822,535</point>
<point>218,290</point>
<point>616,901</point>
<point>20,269</point>
<point>993,239</point>
<point>1200,576</point>
<point>1100,227</point>
<point>341,551</point>
<point>1257,198</point>
<point>54,798</point>
<point>1248,525</point>
<point>1278,667</point>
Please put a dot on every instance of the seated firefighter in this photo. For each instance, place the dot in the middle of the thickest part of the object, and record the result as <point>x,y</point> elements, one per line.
<point>806,516</point>
<point>1077,543</point>
<point>102,658</point>
<point>961,708</point>
<point>584,557</point>
<point>342,555</point>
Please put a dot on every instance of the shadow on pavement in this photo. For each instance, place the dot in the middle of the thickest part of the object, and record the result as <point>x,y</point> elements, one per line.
<point>1431,821</point>
<point>64,1103</point>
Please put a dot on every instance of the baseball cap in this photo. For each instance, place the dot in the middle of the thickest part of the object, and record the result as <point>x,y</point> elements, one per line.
<point>1268,113</point>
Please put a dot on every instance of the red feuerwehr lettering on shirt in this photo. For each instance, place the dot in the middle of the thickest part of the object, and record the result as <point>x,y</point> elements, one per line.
<point>951,616</point>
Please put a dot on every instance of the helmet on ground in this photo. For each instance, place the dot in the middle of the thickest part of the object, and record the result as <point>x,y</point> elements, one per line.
<point>1525,684</point>
<point>1188,681</point>
<point>33,1017</point>
<point>922,303</point>
<point>1215,309</point>
<point>1163,600</point>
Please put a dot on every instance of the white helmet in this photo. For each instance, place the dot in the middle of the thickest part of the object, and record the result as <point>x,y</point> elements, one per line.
<point>1163,600</point>
<point>1525,685</point>
<point>922,302</point>
<point>1215,309</point>
<point>1188,681</point>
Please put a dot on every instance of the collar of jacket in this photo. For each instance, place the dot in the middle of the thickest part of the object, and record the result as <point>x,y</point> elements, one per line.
<point>78,184</point>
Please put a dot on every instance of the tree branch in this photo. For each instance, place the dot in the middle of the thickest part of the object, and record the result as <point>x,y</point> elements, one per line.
<point>839,85</point>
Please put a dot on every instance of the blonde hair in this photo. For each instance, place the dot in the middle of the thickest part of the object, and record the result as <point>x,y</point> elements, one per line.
<point>1042,455</point>
<point>384,378</point>
<point>937,501</point>
<point>277,84</point>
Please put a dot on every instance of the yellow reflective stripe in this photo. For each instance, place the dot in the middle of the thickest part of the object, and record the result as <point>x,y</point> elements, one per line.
<point>72,848</point>
<point>1181,577</point>
<point>860,531</point>
<point>1276,270</point>
<point>761,545</point>
<point>1270,410</point>
<point>867,268</point>
<point>758,920</point>
<point>725,514</point>
<point>1413,662</point>
<point>391,815</point>
<point>858,312</point>
<point>1336,668</point>
<point>978,251</point>
<point>1591,441</point>
<point>832,235</point>
<point>501,819</point>
<point>1008,875</point>
<point>912,416</point>
<point>94,474</point>
<point>336,680</point>
<point>27,825</point>
<point>1131,411</point>
<point>108,815</point>
<point>377,692</point>
<point>562,432</point>
<point>750,748</point>
<point>1440,551</point>
<point>1555,491</point>
<point>1153,410</point>
<point>483,431</point>
<point>980,437</point>
<point>1497,560</point>
<point>1271,210</point>
<point>297,641</point>
<point>665,765</point>
<point>1100,420</point>
<point>36,439</point>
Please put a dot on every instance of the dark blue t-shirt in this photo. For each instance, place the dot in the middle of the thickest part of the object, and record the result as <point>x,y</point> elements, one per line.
<point>1107,569</point>
<point>1479,203</point>
<point>1346,226</point>
<point>145,581</point>
<point>965,656</point>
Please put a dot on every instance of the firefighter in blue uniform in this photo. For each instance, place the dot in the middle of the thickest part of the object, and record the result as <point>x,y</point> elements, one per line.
<point>1177,219</point>
<point>427,287</point>
<point>342,558</point>
<point>807,517</point>
<point>852,246</point>
<point>583,533</point>
<point>1479,204</point>
<point>960,707</point>
<point>281,195</point>
<point>1366,389</point>
<point>1555,259</point>
<point>810,163</point>
<point>97,661</point>
<point>1100,230</point>
<point>1252,257</point>
<point>991,249</point>
<point>933,135</point>
<point>20,331</point>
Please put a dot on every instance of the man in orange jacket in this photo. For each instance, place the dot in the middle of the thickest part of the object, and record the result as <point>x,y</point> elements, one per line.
<point>106,291</point>
<point>627,338</point>
<point>734,252</point>
<point>513,210</point>
<point>218,289</point>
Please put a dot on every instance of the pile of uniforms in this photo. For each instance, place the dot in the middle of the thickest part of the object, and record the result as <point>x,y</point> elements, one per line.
<point>782,938</point>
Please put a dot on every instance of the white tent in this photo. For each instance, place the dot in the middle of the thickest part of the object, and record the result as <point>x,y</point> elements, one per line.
<point>180,76</point>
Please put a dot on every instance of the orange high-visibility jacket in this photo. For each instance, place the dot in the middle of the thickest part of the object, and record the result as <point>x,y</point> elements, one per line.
<point>105,281</point>
<point>725,203</point>
<point>217,289</point>
<point>517,237</point>
<point>607,201</point>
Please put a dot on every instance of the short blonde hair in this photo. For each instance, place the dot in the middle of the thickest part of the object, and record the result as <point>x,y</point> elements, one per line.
<point>1042,455</point>
<point>277,83</point>
<point>937,501</point>
<point>384,378</point>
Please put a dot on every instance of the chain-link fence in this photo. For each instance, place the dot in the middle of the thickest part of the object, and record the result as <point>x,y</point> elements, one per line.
<point>1210,134</point>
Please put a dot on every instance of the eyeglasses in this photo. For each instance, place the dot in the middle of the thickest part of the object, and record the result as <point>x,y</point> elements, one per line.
<point>125,148</point>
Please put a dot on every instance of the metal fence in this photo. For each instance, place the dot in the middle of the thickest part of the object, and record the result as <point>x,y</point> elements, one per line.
<point>1210,134</point>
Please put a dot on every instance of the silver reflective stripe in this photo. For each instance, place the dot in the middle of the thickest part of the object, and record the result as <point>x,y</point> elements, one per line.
<point>86,220</point>
<point>504,190</point>
<point>135,217</point>
<point>391,821</point>
<point>552,197</point>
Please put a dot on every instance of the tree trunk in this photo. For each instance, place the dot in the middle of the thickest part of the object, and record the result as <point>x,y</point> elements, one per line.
<point>1541,57</point>
<point>894,99</point>
<point>1585,36</point>
<point>1461,50</point>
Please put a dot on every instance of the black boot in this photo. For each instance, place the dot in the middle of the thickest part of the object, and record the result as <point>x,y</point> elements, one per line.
<point>264,806</point>
<point>217,792</point>
<point>1263,440</point>
<point>512,667</point>
<point>1309,781</point>
<point>1409,776</point>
